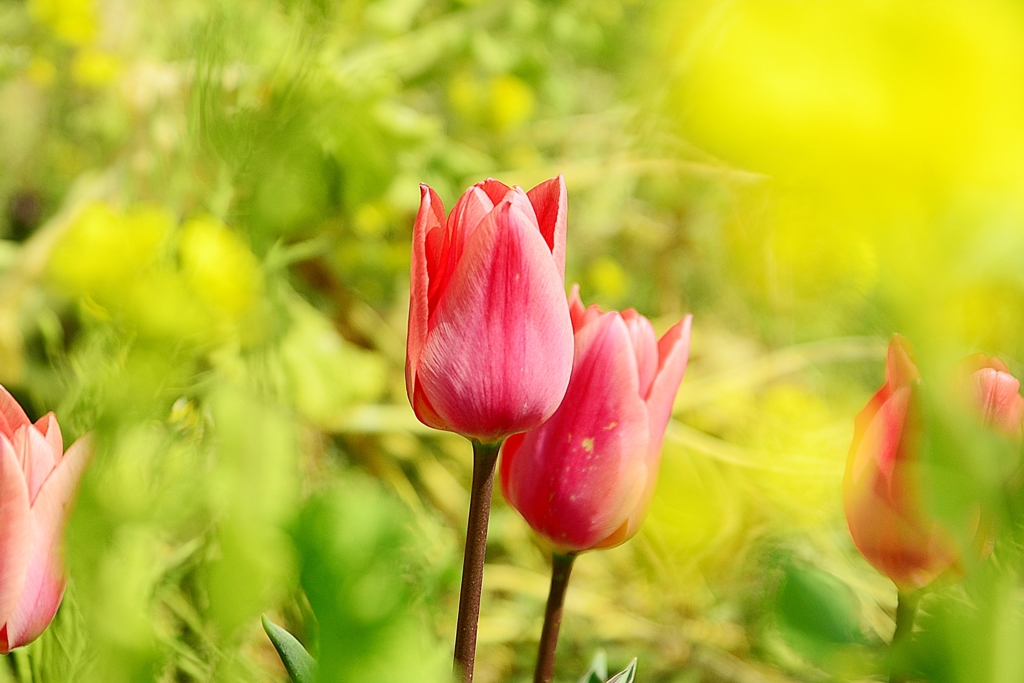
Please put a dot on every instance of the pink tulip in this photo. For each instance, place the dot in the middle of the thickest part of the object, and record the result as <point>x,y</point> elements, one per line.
<point>585,478</point>
<point>490,341</point>
<point>995,393</point>
<point>37,486</point>
<point>881,487</point>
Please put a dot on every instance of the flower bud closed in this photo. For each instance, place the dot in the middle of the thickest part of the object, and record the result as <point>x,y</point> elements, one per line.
<point>490,341</point>
<point>585,478</point>
<point>37,486</point>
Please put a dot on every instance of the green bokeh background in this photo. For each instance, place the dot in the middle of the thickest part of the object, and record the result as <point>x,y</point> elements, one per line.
<point>205,217</point>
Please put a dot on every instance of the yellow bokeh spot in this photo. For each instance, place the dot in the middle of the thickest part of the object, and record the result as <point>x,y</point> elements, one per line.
<point>93,68</point>
<point>74,21</point>
<point>512,102</point>
<point>219,267</point>
<point>41,71</point>
<point>608,279</point>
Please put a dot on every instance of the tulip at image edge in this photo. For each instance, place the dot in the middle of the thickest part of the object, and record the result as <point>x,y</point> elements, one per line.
<point>881,486</point>
<point>37,488</point>
<point>490,342</point>
<point>585,478</point>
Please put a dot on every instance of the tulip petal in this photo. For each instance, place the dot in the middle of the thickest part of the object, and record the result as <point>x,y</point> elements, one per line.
<point>39,458</point>
<point>429,219</point>
<point>15,530</point>
<point>900,369</point>
<point>645,346</point>
<point>48,427</point>
<point>45,579</point>
<point>673,356</point>
<point>998,395</point>
<point>550,204</point>
<point>579,476</point>
<point>495,189</point>
<point>12,417</point>
<point>471,208</point>
<point>578,313</point>
<point>499,350</point>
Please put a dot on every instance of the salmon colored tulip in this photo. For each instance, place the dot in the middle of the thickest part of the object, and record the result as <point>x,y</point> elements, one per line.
<point>585,478</point>
<point>37,486</point>
<point>490,341</point>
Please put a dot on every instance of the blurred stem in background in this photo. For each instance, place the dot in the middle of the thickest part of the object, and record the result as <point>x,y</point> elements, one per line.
<point>906,610</point>
<point>484,458</point>
<point>561,568</point>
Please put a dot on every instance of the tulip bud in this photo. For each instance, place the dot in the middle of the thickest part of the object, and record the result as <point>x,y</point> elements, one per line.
<point>585,478</point>
<point>37,486</point>
<point>881,487</point>
<point>490,341</point>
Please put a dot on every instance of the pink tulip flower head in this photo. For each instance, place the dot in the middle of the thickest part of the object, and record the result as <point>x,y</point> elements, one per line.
<point>37,486</point>
<point>995,394</point>
<point>881,488</point>
<point>490,341</point>
<point>584,479</point>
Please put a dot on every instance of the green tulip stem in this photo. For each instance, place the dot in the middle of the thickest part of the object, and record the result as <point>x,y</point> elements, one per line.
<point>906,610</point>
<point>561,567</point>
<point>484,458</point>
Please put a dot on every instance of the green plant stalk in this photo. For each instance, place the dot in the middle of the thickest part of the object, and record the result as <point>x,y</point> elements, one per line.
<point>561,568</point>
<point>906,610</point>
<point>484,458</point>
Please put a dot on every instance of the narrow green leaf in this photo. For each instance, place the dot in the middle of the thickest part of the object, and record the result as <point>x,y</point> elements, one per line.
<point>626,675</point>
<point>598,671</point>
<point>300,665</point>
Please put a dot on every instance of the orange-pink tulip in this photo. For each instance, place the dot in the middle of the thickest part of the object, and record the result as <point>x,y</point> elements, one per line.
<point>881,488</point>
<point>490,341</point>
<point>37,486</point>
<point>585,478</point>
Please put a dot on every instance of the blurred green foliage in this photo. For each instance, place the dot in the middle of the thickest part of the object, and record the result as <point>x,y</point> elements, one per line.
<point>205,213</point>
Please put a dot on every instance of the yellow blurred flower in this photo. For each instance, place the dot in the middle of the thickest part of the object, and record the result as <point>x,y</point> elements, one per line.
<point>219,267</point>
<point>512,102</point>
<point>41,71</point>
<point>93,68</point>
<point>75,21</point>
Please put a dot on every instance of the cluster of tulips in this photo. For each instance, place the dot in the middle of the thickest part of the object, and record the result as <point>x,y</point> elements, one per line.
<point>577,399</point>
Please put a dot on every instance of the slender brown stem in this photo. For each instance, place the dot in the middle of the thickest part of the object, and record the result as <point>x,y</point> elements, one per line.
<point>906,610</point>
<point>484,457</point>
<point>561,567</point>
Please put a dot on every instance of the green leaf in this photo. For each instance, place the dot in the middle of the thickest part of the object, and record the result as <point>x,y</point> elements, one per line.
<point>598,671</point>
<point>626,675</point>
<point>300,665</point>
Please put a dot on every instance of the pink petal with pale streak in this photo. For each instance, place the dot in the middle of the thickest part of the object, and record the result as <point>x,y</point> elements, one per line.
<point>471,208</point>
<point>429,221</point>
<point>15,529</point>
<point>998,396</point>
<point>48,427</point>
<point>645,346</point>
<point>673,351</point>
<point>673,355</point>
<point>499,352</point>
<point>45,580</point>
<point>12,417</point>
<point>580,314</point>
<point>578,477</point>
<point>40,459</point>
<point>551,206</point>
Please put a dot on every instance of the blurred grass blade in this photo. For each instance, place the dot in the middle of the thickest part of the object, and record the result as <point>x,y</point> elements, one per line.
<point>626,675</point>
<point>598,671</point>
<point>300,665</point>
